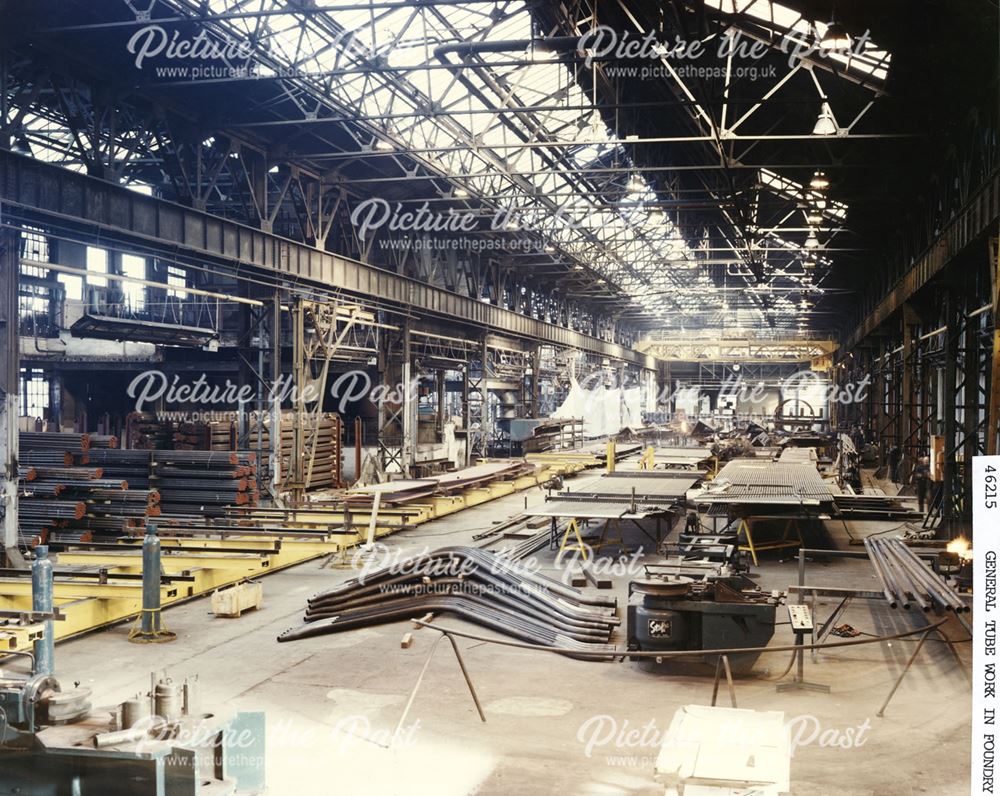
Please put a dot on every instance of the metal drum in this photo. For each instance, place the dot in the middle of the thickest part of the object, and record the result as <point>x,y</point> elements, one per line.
<point>167,700</point>
<point>134,711</point>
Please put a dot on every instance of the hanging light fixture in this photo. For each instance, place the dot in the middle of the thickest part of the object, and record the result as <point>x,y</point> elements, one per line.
<point>21,146</point>
<point>814,217</point>
<point>812,242</point>
<point>460,193</point>
<point>819,181</point>
<point>382,146</point>
<point>836,38</point>
<point>826,124</point>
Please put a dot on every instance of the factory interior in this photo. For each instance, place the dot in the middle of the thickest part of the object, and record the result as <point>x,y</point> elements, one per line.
<point>494,396</point>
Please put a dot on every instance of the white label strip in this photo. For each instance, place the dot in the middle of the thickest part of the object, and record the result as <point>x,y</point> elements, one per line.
<point>986,550</point>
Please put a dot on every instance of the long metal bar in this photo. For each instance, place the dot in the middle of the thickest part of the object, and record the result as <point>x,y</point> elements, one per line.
<point>902,674</point>
<point>882,576</point>
<point>933,585</point>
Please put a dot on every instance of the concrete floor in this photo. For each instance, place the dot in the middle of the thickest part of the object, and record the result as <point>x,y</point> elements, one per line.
<point>554,725</point>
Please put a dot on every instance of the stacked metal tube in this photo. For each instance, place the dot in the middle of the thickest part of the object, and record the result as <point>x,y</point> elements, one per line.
<point>204,483</point>
<point>63,499</point>
<point>907,581</point>
<point>53,441</point>
<point>473,584</point>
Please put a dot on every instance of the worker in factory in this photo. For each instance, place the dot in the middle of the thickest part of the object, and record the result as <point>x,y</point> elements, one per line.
<point>858,438</point>
<point>921,479</point>
<point>693,524</point>
<point>895,457</point>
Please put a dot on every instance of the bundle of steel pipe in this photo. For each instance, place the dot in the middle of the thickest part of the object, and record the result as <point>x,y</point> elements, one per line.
<point>208,484</point>
<point>103,441</point>
<point>203,458</point>
<point>184,472</point>
<point>85,485</point>
<point>52,509</point>
<point>40,489</point>
<point>62,536</point>
<point>149,497</point>
<point>111,508</point>
<point>906,580</point>
<point>51,458</point>
<point>489,590</point>
<point>139,458</point>
<point>30,538</point>
<point>129,465</point>
<point>51,440</point>
<point>77,473</point>
<point>205,483</point>
<point>26,473</point>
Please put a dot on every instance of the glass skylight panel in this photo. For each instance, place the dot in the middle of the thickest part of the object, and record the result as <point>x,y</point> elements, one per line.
<point>620,234</point>
<point>782,20</point>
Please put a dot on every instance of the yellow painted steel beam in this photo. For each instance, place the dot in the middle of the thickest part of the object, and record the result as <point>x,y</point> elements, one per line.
<point>20,637</point>
<point>174,561</point>
<point>66,590</point>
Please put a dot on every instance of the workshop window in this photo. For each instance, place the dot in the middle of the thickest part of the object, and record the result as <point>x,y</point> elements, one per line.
<point>177,280</point>
<point>34,393</point>
<point>33,300</point>
<point>134,292</point>
<point>73,285</point>
<point>34,246</point>
<point>97,264</point>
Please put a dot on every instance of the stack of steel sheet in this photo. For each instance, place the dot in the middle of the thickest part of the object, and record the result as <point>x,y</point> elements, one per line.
<point>907,580</point>
<point>205,483</point>
<point>799,456</point>
<point>480,475</point>
<point>877,507</point>
<point>477,586</point>
<point>692,456</point>
<point>754,482</point>
<point>622,495</point>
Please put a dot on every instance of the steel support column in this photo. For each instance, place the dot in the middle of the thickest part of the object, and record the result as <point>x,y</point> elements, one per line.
<point>993,424</point>
<point>397,427</point>
<point>274,311</point>
<point>951,495</point>
<point>10,240</point>
<point>475,404</point>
